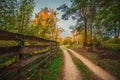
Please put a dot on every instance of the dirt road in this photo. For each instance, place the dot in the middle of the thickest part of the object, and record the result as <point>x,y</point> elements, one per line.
<point>70,70</point>
<point>104,75</point>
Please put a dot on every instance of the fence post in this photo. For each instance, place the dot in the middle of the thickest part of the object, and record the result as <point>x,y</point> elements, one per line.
<point>21,44</point>
<point>20,56</point>
<point>56,46</point>
<point>51,47</point>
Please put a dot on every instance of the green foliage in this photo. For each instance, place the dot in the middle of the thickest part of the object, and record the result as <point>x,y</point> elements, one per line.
<point>15,14</point>
<point>107,22</point>
<point>8,15</point>
<point>24,14</point>
<point>113,48</point>
<point>98,18</point>
<point>113,45</point>
<point>114,41</point>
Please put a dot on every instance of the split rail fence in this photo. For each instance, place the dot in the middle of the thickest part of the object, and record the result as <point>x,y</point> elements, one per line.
<point>20,68</point>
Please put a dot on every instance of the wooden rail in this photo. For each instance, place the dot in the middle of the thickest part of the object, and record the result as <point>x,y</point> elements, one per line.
<point>19,67</point>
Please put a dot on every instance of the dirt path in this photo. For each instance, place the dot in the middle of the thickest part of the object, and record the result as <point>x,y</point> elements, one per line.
<point>70,70</point>
<point>104,75</point>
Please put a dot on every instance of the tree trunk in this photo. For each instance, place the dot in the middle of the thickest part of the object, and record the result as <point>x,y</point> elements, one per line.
<point>85,26</point>
<point>91,20</point>
<point>85,36</point>
<point>115,29</point>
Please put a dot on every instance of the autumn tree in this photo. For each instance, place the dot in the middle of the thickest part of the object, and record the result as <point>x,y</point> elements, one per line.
<point>67,41</point>
<point>46,22</point>
<point>57,32</point>
<point>60,40</point>
<point>75,36</point>
<point>98,18</point>
<point>78,10</point>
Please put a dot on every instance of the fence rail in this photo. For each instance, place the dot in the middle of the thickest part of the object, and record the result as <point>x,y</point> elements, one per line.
<point>38,54</point>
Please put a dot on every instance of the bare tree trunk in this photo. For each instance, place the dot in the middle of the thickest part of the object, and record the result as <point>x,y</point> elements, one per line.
<point>85,26</point>
<point>115,29</point>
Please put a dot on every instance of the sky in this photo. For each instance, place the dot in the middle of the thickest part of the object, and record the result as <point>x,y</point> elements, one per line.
<point>54,4</point>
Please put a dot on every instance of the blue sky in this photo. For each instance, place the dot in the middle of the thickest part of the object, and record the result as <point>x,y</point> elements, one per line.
<point>54,4</point>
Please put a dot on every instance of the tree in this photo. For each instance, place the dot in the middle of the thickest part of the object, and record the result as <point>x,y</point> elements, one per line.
<point>8,10</point>
<point>46,22</point>
<point>79,9</point>
<point>98,18</point>
<point>24,14</point>
<point>15,14</point>
<point>67,40</point>
<point>57,32</point>
<point>107,19</point>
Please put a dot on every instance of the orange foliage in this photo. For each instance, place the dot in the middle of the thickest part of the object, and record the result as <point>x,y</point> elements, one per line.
<point>46,18</point>
<point>60,40</point>
<point>46,22</point>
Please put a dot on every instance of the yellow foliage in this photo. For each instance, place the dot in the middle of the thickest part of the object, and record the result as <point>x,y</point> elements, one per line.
<point>81,37</point>
<point>75,35</point>
<point>46,20</point>
<point>27,43</point>
<point>48,36</point>
<point>60,40</point>
<point>9,62</point>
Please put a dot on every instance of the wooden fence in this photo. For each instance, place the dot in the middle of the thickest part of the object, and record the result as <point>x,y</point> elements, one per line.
<point>19,69</point>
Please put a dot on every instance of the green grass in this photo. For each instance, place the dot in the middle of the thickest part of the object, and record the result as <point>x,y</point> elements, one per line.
<point>53,68</point>
<point>112,47</point>
<point>112,66</point>
<point>85,72</point>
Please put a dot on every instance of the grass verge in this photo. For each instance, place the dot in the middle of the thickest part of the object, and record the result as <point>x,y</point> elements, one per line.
<point>112,66</point>
<point>53,68</point>
<point>85,72</point>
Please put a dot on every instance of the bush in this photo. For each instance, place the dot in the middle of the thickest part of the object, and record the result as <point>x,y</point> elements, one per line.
<point>111,47</point>
<point>115,41</point>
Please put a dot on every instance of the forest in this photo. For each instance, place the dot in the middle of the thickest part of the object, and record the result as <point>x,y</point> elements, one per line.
<point>97,22</point>
<point>96,36</point>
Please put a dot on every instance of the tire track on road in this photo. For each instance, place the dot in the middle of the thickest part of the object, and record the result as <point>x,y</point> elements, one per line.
<point>70,70</point>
